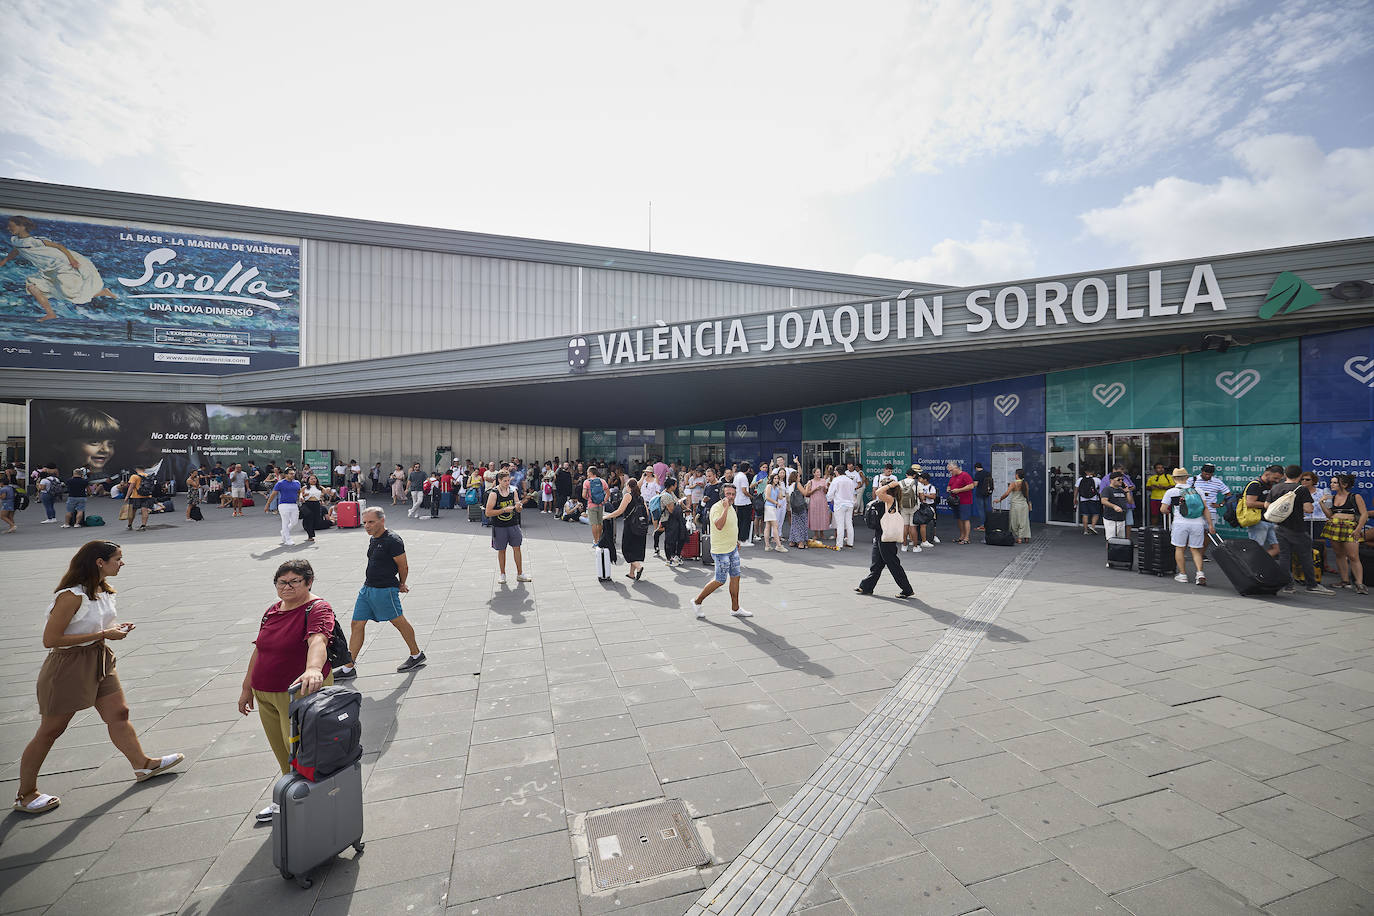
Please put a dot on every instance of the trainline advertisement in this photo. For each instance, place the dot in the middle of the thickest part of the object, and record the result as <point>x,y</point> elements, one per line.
<point>129,297</point>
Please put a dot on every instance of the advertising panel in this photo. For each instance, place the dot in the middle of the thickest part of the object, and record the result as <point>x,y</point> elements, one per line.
<point>1341,448</point>
<point>110,438</point>
<point>887,418</point>
<point>942,412</point>
<point>877,453</point>
<point>933,453</point>
<point>1144,394</point>
<point>833,421</point>
<point>745,429</point>
<point>1338,376</point>
<point>1243,385</point>
<point>1010,406</point>
<point>781,427</point>
<point>1241,453</point>
<point>130,297</point>
<point>1002,456</point>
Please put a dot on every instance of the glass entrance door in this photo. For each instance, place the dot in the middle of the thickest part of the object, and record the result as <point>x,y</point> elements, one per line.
<point>1071,454</point>
<point>835,452</point>
<point>707,454</point>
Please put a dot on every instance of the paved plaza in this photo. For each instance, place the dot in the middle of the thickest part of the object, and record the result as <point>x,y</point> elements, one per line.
<point>1107,742</point>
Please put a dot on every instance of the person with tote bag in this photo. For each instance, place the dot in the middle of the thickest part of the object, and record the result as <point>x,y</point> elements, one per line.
<point>886,538</point>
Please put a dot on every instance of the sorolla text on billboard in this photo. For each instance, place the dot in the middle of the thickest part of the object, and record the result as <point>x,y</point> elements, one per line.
<point>94,294</point>
<point>110,438</point>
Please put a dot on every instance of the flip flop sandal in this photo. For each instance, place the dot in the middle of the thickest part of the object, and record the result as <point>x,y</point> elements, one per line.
<point>164,764</point>
<point>40,804</point>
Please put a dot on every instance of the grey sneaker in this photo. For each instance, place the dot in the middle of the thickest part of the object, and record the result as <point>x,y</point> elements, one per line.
<point>410,664</point>
<point>1321,590</point>
<point>265,815</point>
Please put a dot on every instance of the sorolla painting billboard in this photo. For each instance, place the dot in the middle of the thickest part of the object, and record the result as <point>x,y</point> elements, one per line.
<point>110,438</point>
<point>95,294</point>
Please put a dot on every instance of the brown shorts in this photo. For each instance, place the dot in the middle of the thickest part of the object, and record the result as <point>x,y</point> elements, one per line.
<point>73,679</point>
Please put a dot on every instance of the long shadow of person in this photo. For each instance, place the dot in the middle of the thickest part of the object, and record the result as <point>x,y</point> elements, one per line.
<point>67,835</point>
<point>952,620</point>
<point>653,594</point>
<point>775,647</point>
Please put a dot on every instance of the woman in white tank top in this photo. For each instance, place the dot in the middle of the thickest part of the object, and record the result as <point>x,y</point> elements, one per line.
<point>79,672</point>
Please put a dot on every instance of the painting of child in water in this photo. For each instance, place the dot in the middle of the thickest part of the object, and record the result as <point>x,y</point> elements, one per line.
<point>60,272</point>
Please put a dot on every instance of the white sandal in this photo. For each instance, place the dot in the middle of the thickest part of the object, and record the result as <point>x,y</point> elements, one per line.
<point>40,804</point>
<point>163,765</point>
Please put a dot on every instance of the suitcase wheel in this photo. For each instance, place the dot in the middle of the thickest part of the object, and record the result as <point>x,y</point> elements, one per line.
<point>358,846</point>
<point>303,882</point>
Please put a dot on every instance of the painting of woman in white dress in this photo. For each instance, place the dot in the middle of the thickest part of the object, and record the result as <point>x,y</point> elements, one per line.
<point>60,272</point>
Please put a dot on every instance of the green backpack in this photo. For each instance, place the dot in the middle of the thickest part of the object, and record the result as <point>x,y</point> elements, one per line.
<point>93,521</point>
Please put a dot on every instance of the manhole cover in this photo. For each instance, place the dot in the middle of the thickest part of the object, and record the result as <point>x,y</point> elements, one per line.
<point>634,844</point>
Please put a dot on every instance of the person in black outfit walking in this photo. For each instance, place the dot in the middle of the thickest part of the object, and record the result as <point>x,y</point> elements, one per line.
<point>885,552</point>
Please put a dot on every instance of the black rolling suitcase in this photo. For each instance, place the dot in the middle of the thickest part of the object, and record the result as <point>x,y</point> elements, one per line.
<point>1248,565</point>
<point>1120,553</point>
<point>997,528</point>
<point>1156,552</point>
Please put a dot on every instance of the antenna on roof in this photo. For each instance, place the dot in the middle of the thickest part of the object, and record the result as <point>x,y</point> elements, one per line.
<point>651,225</point>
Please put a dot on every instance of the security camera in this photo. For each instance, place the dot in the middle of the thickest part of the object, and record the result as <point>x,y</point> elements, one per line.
<point>1219,342</point>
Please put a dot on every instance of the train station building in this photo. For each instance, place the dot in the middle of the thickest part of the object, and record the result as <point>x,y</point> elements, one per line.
<point>204,331</point>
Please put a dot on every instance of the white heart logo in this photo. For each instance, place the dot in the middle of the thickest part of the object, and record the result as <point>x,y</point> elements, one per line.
<point>1236,384</point>
<point>1006,403</point>
<point>741,430</point>
<point>1107,395</point>
<point>779,424</point>
<point>940,409</point>
<point>828,420</point>
<point>884,415</point>
<point>1361,369</point>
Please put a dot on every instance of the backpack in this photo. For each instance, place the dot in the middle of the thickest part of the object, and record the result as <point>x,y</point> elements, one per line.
<point>873,514</point>
<point>1228,511</point>
<point>93,521</point>
<point>326,733</point>
<point>196,514</point>
<point>335,647</point>
<point>1087,487</point>
<point>1193,506</point>
<point>637,520</point>
<point>1281,508</point>
<point>985,485</point>
<point>1245,516</point>
<point>471,498</point>
<point>656,503</point>
<point>597,491</point>
<point>907,499</point>
<point>797,499</point>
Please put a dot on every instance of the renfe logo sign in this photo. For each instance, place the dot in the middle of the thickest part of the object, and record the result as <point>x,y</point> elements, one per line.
<point>908,317</point>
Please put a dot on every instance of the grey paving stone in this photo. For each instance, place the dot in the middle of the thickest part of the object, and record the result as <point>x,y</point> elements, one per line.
<point>1003,723</point>
<point>613,787</point>
<point>1254,867</point>
<point>597,758</point>
<point>820,719</point>
<point>593,731</point>
<point>36,886</point>
<point>951,745</point>
<point>1256,758</point>
<point>153,890</point>
<point>494,786</point>
<point>699,760</point>
<point>1149,755</point>
<point>418,779</point>
<point>556,899</point>
<point>785,767</point>
<point>511,866</point>
<point>1293,737</point>
<point>1349,757</point>
<point>706,795</point>
<point>725,835</point>
<point>1102,780</point>
<point>411,813</point>
<point>1329,790</point>
<point>976,850</point>
<point>135,850</point>
<point>995,774</point>
<point>517,752</point>
<point>1335,896</point>
<point>1354,863</point>
<point>1134,709</point>
<point>1097,727</point>
<point>1296,825</point>
<point>770,736</point>
<point>33,843</point>
<point>911,769</point>
<point>522,815</point>
<point>744,715</point>
<point>1191,892</point>
<point>1047,811</point>
<point>417,896</point>
<point>1114,857</point>
<point>1052,888</point>
<point>679,734</point>
<point>1170,819</point>
<point>874,837</point>
<point>644,893</point>
<point>917,885</point>
<point>931,805</point>
<point>1049,749</point>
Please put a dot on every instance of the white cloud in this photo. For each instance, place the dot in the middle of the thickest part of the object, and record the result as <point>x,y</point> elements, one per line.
<point>1000,252</point>
<point>562,121</point>
<point>1291,193</point>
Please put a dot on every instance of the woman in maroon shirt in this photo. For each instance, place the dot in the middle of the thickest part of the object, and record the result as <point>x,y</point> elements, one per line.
<point>290,649</point>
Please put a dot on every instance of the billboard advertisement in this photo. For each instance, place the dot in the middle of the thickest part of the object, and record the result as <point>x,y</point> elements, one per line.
<point>129,297</point>
<point>109,438</point>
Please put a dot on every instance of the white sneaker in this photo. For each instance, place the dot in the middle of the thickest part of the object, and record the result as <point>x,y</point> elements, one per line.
<point>524,578</point>
<point>701,611</point>
<point>767,547</point>
<point>500,580</point>
<point>781,549</point>
<point>741,613</point>
<point>904,548</point>
<point>1201,579</point>
<point>915,550</point>
<point>66,526</point>
<point>265,815</point>
<point>1181,577</point>
<point>745,544</point>
<point>935,540</point>
<point>926,544</point>
<point>48,521</point>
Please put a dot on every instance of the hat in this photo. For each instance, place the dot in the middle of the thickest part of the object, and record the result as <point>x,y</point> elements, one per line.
<point>1209,468</point>
<point>916,468</point>
<point>1180,474</point>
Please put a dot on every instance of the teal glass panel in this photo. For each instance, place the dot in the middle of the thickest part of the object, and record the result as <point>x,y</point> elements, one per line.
<point>886,418</point>
<point>1254,384</point>
<point>833,421</point>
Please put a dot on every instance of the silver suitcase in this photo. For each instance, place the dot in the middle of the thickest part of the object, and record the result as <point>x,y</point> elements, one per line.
<point>316,820</point>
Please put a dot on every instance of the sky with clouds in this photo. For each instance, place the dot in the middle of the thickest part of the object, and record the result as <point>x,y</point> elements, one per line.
<point>946,142</point>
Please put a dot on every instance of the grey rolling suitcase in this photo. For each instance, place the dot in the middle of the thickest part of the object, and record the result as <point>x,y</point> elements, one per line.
<point>316,820</point>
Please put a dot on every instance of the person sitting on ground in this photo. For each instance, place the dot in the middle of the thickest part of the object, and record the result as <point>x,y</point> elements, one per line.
<point>291,650</point>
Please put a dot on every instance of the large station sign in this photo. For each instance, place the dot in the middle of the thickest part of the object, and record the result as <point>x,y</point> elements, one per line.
<point>81,293</point>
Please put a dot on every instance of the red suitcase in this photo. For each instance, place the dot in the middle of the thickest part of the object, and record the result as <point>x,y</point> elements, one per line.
<point>347,514</point>
<point>692,549</point>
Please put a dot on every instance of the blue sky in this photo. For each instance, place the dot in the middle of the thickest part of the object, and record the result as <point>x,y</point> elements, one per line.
<point>940,141</point>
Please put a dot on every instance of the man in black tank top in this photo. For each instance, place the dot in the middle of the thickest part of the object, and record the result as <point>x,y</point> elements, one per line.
<point>503,508</point>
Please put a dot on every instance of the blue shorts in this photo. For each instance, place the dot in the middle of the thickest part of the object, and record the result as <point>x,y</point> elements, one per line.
<point>76,504</point>
<point>727,565</point>
<point>1262,533</point>
<point>379,604</point>
<point>509,536</point>
<point>963,511</point>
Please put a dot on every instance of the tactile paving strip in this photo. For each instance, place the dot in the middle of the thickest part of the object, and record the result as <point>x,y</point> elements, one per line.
<point>633,844</point>
<point>774,870</point>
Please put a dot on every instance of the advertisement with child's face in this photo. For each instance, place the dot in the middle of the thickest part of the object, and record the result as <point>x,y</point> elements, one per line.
<point>109,438</point>
<point>131,297</point>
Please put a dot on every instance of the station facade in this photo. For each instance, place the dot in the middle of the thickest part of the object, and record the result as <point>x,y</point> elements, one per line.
<point>210,331</point>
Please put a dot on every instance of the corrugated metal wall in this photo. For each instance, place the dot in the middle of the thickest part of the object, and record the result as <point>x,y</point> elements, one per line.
<point>401,440</point>
<point>368,301</point>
